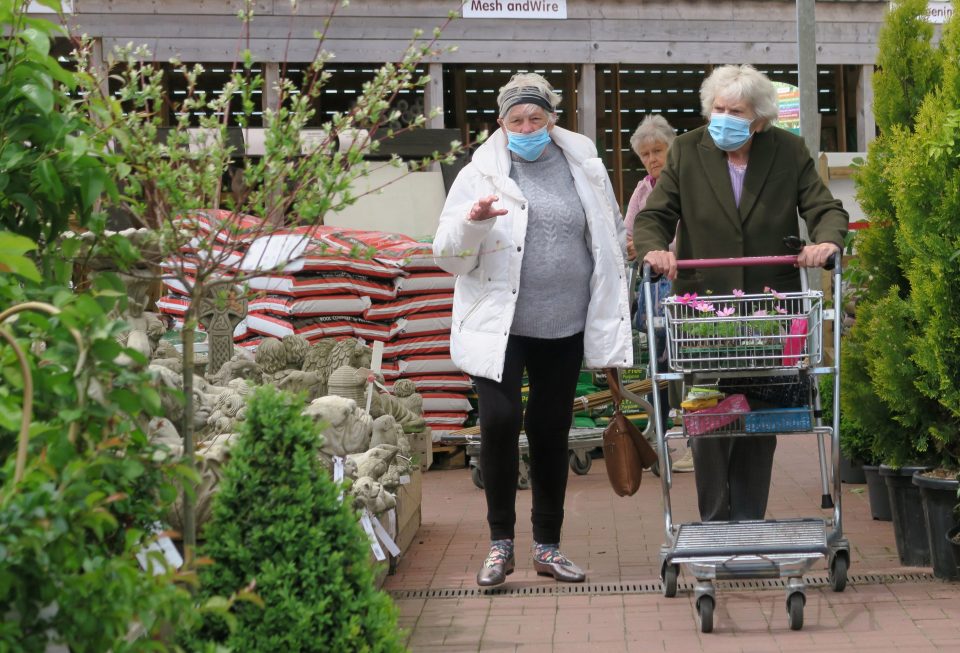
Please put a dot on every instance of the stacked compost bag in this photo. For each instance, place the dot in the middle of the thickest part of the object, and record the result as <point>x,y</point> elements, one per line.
<point>333,282</point>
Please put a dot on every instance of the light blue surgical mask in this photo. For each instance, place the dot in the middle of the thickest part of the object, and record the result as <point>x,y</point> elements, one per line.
<point>729,132</point>
<point>529,146</point>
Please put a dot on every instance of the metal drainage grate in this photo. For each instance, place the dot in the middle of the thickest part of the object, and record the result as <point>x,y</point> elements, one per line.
<point>599,589</point>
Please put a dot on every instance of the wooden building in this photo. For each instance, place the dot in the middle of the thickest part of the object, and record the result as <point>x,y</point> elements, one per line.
<point>612,60</point>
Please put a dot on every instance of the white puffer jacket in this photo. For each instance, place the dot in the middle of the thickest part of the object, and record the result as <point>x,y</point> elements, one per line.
<point>486,258</point>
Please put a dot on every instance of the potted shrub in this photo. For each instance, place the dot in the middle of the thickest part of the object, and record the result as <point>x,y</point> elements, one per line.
<point>280,528</point>
<point>910,186</point>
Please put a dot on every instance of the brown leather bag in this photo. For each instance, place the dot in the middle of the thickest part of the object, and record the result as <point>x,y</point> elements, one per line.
<point>625,451</point>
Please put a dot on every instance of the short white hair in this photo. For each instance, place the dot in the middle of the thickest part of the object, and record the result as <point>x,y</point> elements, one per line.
<point>529,85</point>
<point>654,128</point>
<point>741,83</point>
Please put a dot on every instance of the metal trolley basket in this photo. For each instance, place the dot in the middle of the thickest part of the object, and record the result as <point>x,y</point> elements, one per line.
<point>767,345</point>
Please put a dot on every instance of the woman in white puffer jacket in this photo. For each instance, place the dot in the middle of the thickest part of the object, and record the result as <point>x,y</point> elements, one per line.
<point>533,232</point>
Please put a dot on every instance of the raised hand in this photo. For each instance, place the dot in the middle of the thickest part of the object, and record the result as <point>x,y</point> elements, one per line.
<point>483,209</point>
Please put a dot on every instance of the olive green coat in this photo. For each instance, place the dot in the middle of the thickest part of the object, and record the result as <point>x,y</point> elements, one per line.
<point>781,179</point>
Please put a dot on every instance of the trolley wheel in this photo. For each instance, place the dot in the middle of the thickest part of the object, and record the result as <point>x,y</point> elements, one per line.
<point>705,612</point>
<point>580,467</point>
<point>838,572</point>
<point>670,573</point>
<point>795,610</point>
<point>476,476</point>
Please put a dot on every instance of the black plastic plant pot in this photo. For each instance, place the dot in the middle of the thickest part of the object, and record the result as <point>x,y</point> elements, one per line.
<point>877,492</point>
<point>851,471</point>
<point>906,509</point>
<point>939,496</point>
<point>953,541</point>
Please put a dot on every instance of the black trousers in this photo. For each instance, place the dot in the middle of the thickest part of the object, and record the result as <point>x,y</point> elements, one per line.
<point>733,476</point>
<point>552,370</point>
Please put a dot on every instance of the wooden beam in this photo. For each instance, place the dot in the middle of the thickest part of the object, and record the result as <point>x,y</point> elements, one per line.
<point>433,96</point>
<point>460,103</point>
<point>569,95</point>
<point>99,63</point>
<point>586,101</point>
<point>695,29</point>
<point>271,80</point>
<point>866,126</point>
<point>511,52</point>
<point>841,111</point>
<point>617,138</point>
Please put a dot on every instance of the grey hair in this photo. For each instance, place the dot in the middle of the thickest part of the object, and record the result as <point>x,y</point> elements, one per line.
<point>527,84</point>
<point>744,83</point>
<point>654,128</point>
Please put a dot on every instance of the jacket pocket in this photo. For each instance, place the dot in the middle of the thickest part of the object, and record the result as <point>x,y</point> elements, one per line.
<point>473,309</point>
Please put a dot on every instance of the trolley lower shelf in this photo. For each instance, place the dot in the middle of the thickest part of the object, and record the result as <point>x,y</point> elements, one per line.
<point>749,549</point>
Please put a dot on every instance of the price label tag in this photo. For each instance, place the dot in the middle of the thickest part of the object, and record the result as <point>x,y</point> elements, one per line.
<point>164,545</point>
<point>374,544</point>
<point>385,537</point>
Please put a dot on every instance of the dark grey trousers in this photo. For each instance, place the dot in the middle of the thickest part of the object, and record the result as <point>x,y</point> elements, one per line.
<point>733,476</point>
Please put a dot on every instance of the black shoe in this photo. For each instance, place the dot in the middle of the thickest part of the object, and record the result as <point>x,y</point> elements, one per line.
<point>499,564</point>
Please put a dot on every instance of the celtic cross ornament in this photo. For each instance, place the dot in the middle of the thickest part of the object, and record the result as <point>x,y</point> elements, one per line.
<point>220,312</point>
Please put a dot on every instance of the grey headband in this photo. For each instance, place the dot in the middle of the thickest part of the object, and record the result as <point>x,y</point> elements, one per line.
<point>524,95</point>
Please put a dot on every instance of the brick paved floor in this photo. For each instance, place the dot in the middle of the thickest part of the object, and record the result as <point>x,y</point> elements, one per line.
<point>617,540</point>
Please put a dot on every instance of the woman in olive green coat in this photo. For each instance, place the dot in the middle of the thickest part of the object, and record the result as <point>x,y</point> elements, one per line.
<point>739,182</point>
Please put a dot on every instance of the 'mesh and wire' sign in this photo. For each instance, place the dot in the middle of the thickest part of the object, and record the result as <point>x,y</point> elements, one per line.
<point>515,8</point>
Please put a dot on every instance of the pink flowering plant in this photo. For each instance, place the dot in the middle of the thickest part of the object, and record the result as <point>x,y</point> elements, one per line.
<point>735,319</point>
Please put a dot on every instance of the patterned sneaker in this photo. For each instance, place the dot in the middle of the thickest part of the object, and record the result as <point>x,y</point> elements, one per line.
<point>548,561</point>
<point>498,565</point>
<point>685,464</point>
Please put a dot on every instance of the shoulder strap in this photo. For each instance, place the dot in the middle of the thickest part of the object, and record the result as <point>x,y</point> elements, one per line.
<point>613,382</point>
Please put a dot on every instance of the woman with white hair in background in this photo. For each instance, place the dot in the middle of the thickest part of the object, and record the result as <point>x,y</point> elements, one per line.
<point>650,142</point>
<point>532,230</point>
<point>739,184</point>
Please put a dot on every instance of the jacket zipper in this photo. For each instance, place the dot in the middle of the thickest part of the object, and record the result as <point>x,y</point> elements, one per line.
<point>473,309</point>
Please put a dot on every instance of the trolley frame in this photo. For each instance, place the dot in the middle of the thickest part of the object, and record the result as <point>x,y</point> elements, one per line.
<point>737,345</point>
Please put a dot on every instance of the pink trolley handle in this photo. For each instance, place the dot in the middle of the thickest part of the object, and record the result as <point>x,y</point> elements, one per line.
<point>743,261</point>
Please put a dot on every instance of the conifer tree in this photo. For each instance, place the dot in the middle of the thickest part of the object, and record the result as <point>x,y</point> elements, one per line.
<point>279,527</point>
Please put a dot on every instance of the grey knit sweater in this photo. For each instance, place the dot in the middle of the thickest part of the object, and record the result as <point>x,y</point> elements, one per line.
<point>555,276</point>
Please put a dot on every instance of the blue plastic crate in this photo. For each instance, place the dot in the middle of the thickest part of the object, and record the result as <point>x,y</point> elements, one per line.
<point>778,420</point>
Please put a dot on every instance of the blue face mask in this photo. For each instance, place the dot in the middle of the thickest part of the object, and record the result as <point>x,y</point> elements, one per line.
<point>529,146</point>
<point>729,132</point>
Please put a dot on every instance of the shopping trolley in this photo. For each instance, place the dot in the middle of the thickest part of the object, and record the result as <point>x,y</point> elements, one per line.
<point>751,345</point>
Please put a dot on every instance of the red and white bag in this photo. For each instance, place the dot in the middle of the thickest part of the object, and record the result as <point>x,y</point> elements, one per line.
<point>439,343</point>
<point>324,284</point>
<point>310,306</point>
<point>445,402</point>
<point>422,324</point>
<point>303,250</point>
<point>439,363</point>
<point>420,283</point>
<point>416,304</point>
<point>313,328</point>
<point>444,420</point>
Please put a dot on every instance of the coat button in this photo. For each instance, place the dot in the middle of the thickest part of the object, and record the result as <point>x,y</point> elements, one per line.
<point>519,248</point>
<point>523,207</point>
<point>514,291</point>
